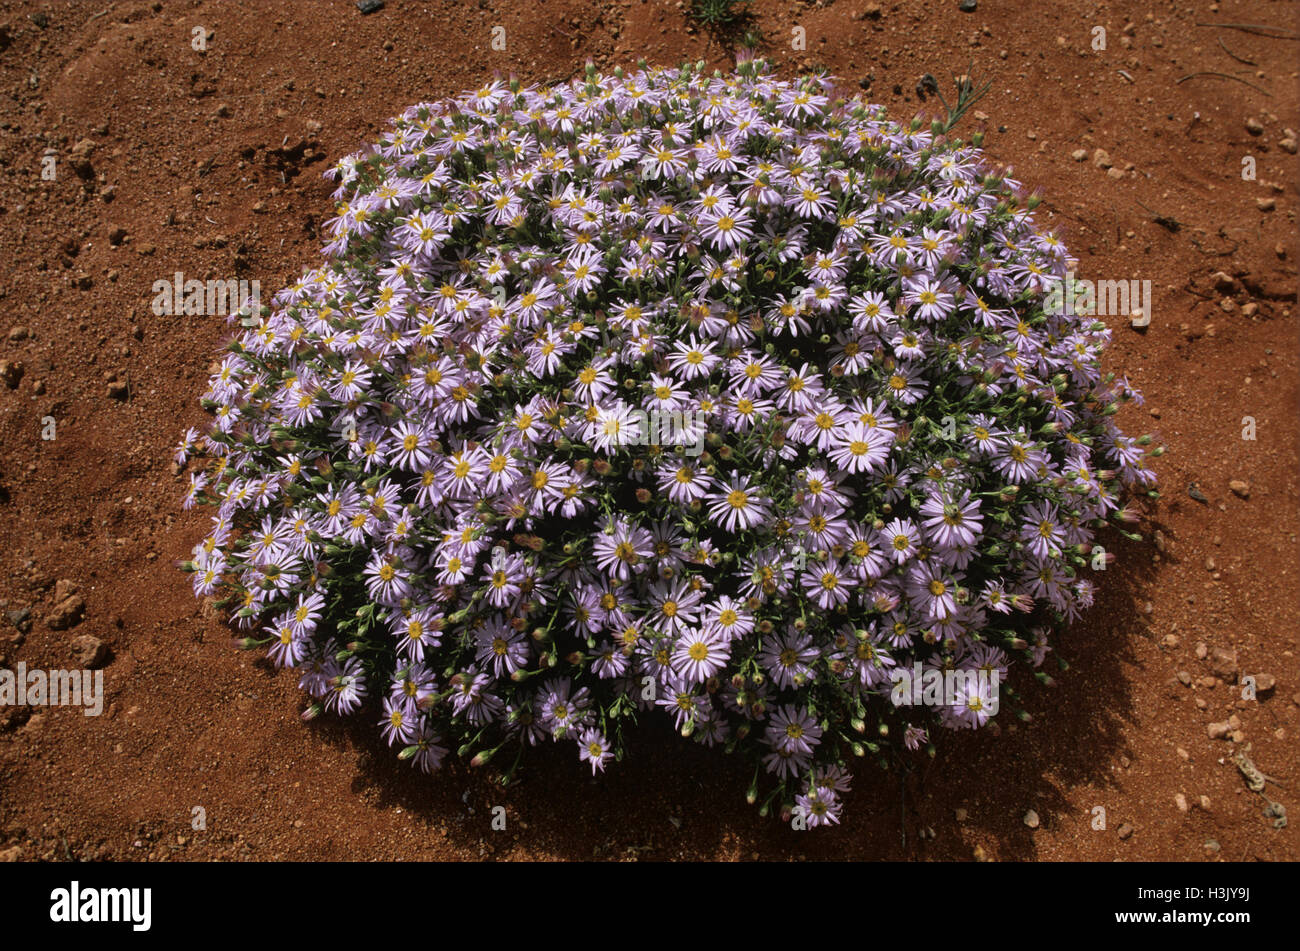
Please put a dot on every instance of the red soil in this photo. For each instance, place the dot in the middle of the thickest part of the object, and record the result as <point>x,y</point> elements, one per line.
<point>209,163</point>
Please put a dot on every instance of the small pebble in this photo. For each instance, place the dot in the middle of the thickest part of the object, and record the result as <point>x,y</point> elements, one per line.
<point>1031,819</point>
<point>1224,664</point>
<point>11,373</point>
<point>88,651</point>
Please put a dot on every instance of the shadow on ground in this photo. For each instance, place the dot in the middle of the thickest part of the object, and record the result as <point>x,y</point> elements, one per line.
<point>695,797</point>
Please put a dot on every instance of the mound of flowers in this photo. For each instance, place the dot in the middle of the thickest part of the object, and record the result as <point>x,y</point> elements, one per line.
<point>713,398</point>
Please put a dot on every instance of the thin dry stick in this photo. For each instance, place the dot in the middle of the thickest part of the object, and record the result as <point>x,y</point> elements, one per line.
<point>1258,29</point>
<point>1164,221</point>
<point>1224,76</point>
<point>1234,55</point>
<point>902,824</point>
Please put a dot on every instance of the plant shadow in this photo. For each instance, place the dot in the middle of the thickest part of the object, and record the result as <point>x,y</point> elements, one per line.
<point>672,799</point>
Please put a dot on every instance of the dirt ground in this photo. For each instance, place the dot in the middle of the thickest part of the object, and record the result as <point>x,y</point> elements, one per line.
<point>208,162</point>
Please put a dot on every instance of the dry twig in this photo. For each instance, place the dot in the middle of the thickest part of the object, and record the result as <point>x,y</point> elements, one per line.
<point>1208,72</point>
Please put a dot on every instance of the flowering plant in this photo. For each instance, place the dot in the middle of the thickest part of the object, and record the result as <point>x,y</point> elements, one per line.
<point>718,397</point>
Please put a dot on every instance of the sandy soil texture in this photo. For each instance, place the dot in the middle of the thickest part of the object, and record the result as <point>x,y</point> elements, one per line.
<point>209,162</point>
